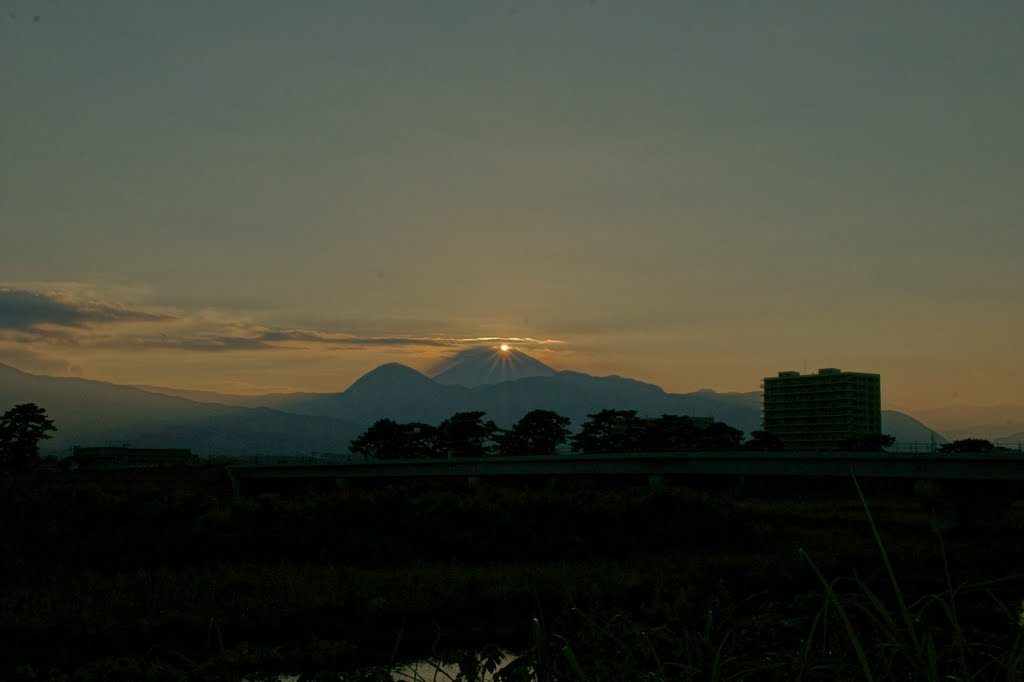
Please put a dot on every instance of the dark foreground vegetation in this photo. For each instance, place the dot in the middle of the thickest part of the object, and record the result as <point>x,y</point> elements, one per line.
<point>164,575</point>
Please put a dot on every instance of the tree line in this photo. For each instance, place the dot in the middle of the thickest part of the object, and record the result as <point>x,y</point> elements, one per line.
<point>543,432</point>
<point>469,434</point>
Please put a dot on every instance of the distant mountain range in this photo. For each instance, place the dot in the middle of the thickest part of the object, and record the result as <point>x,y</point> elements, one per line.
<point>1002,423</point>
<point>504,384</point>
<point>403,394</point>
<point>98,413</point>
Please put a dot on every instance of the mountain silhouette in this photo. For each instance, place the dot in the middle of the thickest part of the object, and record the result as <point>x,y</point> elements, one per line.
<point>403,394</point>
<point>483,366</point>
<point>905,429</point>
<point>1014,440</point>
<point>91,413</point>
<point>991,422</point>
<point>97,413</point>
<point>390,391</point>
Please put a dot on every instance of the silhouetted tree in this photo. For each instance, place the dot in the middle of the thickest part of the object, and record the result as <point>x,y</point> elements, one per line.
<point>539,432</point>
<point>610,431</point>
<point>380,441</point>
<point>418,440</point>
<point>388,439</point>
<point>869,442</point>
<point>466,434</point>
<point>719,436</point>
<point>21,429</point>
<point>764,442</point>
<point>968,445</point>
<point>670,433</point>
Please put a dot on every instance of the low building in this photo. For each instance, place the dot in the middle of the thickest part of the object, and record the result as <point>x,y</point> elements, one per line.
<point>820,411</point>
<point>130,458</point>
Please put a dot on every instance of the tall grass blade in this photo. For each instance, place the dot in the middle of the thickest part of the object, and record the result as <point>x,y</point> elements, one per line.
<point>904,611</point>
<point>574,664</point>
<point>820,616</point>
<point>880,613</point>
<point>716,667</point>
<point>837,604</point>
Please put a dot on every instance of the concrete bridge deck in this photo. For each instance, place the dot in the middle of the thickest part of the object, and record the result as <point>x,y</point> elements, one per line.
<point>987,466</point>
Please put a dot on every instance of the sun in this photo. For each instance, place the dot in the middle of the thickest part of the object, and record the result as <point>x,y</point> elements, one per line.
<point>504,347</point>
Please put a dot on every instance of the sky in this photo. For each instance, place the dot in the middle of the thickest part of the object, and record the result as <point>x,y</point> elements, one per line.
<point>263,196</point>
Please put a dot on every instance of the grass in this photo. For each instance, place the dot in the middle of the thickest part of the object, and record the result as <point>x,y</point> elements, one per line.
<point>888,636</point>
<point>620,584</point>
<point>924,640</point>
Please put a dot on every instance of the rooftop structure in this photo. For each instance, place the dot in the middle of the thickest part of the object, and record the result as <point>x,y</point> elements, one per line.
<point>820,411</point>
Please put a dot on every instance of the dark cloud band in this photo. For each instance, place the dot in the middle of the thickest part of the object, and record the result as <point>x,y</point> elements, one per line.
<point>269,339</point>
<point>28,317</point>
<point>22,310</point>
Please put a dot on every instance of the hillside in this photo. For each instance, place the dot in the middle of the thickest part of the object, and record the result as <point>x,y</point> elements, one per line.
<point>97,413</point>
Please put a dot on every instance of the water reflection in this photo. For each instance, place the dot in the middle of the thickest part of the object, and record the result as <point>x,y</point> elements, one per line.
<point>432,670</point>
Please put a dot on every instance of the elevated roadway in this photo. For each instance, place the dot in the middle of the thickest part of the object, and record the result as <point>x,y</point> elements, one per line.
<point>1006,466</point>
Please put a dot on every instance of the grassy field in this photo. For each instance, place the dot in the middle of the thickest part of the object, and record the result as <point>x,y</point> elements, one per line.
<point>166,575</point>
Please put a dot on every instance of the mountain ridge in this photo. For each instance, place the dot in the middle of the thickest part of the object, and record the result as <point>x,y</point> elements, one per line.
<point>409,395</point>
<point>90,412</point>
<point>304,422</point>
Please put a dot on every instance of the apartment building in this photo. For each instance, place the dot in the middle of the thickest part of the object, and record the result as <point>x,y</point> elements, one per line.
<point>820,411</point>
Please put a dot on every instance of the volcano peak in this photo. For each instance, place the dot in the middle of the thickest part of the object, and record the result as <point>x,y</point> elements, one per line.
<point>482,366</point>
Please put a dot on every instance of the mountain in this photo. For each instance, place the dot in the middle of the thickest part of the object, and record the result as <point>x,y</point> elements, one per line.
<point>1015,440</point>
<point>393,391</point>
<point>97,413</point>
<point>482,366</point>
<point>403,394</point>
<point>905,429</point>
<point>576,395</point>
<point>272,400</point>
<point>976,421</point>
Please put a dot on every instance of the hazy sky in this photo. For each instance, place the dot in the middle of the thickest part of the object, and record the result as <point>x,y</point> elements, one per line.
<point>254,196</point>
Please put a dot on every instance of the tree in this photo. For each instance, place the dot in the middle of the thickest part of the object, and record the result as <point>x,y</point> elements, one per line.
<point>21,429</point>
<point>968,445</point>
<point>466,434</point>
<point>763,441</point>
<point>719,436</point>
<point>610,431</point>
<point>670,433</point>
<point>539,432</point>
<point>380,441</point>
<point>387,439</point>
<point>418,440</point>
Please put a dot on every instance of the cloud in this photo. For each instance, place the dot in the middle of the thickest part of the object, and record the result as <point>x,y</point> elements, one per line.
<point>28,311</point>
<point>255,339</point>
<point>238,337</point>
<point>523,340</point>
<point>30,361</point>
<point>212,343</point>
<point>57,319</point>
<point>302,336</point>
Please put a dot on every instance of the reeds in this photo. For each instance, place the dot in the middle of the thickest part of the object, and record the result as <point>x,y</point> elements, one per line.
<point>924,640</point>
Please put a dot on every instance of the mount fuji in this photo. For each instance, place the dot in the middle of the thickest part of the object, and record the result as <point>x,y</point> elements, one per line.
<point>483,366</point>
